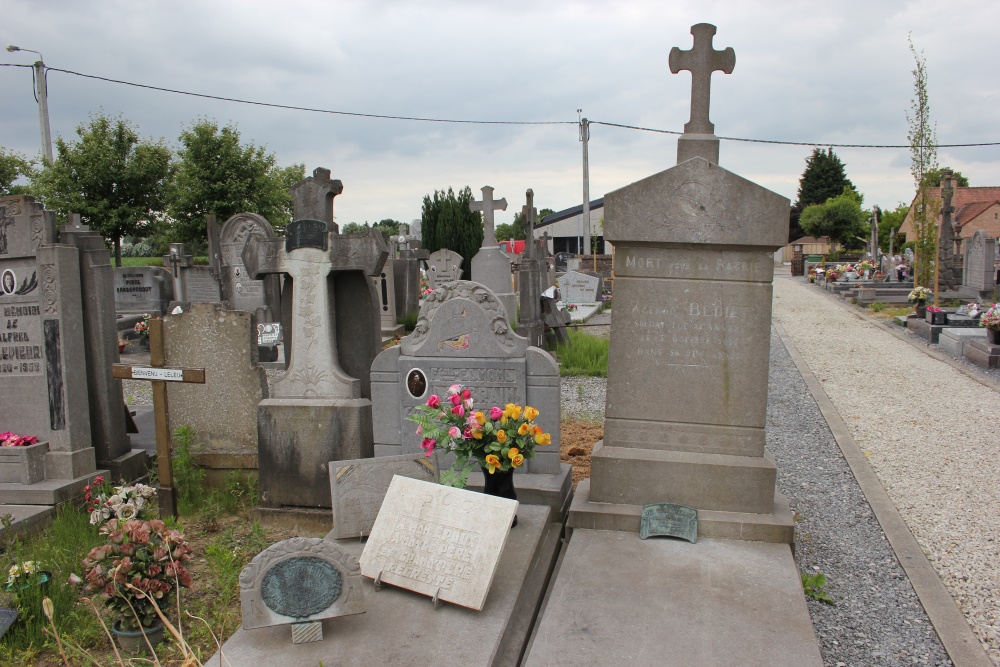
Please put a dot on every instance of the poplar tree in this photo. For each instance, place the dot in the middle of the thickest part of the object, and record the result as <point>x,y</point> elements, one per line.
<point>922,136</point>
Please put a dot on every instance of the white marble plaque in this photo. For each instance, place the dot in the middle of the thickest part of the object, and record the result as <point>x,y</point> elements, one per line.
<point>579,288</point>
<point>435,539</point>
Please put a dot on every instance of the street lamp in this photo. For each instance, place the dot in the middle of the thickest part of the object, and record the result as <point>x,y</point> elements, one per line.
<point>43,100</point>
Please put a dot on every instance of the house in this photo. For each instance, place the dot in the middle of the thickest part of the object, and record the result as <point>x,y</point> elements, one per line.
<point>810,246</point>
<point>975,209</point>
<point>564,228</point>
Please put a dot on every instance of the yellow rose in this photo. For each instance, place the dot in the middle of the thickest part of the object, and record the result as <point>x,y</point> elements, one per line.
<point>517,461</point>
<point>512,452</point>
<point>477,434</point>
<point>501,436</point>
<point>530,413</point>
<point>515,411</point>
<point>480,418</point>
<point>492,462</point>
<point>543,439</point>
<point>537,430</point>
<point>524,429</point>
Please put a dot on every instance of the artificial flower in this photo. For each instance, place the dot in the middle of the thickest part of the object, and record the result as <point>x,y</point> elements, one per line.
<point>434,401</point>
<point>501,436</point>
<point>530,413</point>
<point>492,462</point>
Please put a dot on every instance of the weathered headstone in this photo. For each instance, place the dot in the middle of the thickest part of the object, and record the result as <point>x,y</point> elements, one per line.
<point>980,274</point>
<point>142,289</point>
<point>191,283</point>
<point>385,291</point>
<point>433,539</point>
<point>491,266</point>
<point>243,292</point>
<point>946,242</point>
<point>312,197</point>
<point>320,408</point>
<point>443,266</point>
<point>406,274</point>
<point>576,287</point>
<point>358,488</point>
<point>530,279</point>
<point>43,371</point>
<point>223,413</point>
<point>462,336</point>
<point>299,582</point>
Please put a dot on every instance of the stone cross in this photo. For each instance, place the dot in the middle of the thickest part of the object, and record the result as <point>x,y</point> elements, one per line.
<point>175,262</point>
<point>701,60</point>
<point>313,197</point>
<point>946,247</point>
<point>310,254</point>
<point>487,206</point>
<point>530,215</point>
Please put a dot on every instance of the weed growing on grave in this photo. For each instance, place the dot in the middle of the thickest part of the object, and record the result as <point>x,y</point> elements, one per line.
<point>877,307</point>
<point>189,478</point>
<point>584,355</point>
<point>814,586</point>
<point>409,320</point>
<point>242,489</point>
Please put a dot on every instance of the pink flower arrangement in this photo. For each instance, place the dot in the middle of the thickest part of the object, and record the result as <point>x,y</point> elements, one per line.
<point>9,439</point>
<point>933,309</point>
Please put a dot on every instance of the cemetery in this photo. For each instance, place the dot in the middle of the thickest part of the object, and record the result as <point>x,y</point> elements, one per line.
<point>319,445</point>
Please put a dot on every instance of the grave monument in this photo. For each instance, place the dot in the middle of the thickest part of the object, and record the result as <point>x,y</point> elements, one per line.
<point>443,266</point>
<point>531,275</point>
<point>142,289</point>
<point>191,283</point>
<point>491,266</point>
<point>979,272</point>
<point>260,297</point>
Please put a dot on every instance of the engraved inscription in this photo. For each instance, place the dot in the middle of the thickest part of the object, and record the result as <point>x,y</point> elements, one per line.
<point>700,264</point>
<point>300,587</point>
<point>490,386</point>
<point>691,333</point>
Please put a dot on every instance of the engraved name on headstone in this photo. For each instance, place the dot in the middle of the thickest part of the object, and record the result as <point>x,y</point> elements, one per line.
<point>669,520</point>
<point>438,541</point>
<point>578,287</point>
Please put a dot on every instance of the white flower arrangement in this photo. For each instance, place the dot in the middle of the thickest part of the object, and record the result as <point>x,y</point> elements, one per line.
<point>125,504</point>
<point>919,294</point>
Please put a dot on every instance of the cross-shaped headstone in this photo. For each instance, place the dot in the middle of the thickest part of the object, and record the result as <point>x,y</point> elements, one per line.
<point>530,215</point>
<point>312,198</point>
<point>159,376</point>
<point>487,206</point>
<point>701,60</point>
<point>175,261</point>
<point>310,254</point>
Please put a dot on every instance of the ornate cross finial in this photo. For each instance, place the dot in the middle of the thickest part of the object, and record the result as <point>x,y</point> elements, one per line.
<point>487,206</point>
<point>701,60</point>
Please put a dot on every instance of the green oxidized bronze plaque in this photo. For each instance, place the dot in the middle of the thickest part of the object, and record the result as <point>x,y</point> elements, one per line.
<point>669,520</point>
<point>300,587</point>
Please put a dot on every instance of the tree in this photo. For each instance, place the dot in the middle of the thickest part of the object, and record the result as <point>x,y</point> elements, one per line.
<point>519,228</point>
<point>112,178</point>
<point>12,167</point>
<point>932,178</point>
<point>216,174</point>
<point>892,220</point>
<point>824,177</point>
<point>354,228</point>
<point>504,232</point>
<point>922,136</point>
<point>388,227</point>
<point>447,222</point>
<point>841,218</point>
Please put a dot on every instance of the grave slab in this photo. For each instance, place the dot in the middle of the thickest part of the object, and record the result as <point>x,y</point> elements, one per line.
<point>717,602</point>
<point>983,354</point>
<point>953,341</point>
<point>401,628</point>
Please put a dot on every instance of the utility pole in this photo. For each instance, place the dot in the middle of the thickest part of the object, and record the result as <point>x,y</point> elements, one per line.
<point>41,94</point>
<point>585,220</point>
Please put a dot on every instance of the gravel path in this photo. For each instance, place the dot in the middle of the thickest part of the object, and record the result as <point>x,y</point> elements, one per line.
<point>930,433</point>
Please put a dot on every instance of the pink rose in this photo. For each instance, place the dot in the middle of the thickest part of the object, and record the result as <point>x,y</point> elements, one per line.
<point>458,410</point>
<point>427,444</point>
<point>455,399</point>
<point>434,401</point>
<point>495,413</point>
<point>466,394</point>
<point>467,403</point>
<point>454,389</point>
<point>454,433</point>
<point>467,433</point>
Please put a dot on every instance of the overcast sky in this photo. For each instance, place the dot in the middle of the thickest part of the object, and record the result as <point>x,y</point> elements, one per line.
<point>823,72</point>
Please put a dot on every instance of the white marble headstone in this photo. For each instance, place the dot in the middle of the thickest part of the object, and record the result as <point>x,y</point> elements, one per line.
<point>575,287</point>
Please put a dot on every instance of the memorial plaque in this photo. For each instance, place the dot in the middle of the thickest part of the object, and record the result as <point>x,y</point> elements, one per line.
<point>298,580</point>
<point>307,234</point>
<point>669,520</point>
<point>438,541</point>
<point>142,289</point>
<point>201,286</point>
<point>358,487</point>
<point>578,287</point>
<point>269,334</point>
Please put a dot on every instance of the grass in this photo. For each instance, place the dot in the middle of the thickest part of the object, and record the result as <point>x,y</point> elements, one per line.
<point>585,355</point>
<point>155,261</point>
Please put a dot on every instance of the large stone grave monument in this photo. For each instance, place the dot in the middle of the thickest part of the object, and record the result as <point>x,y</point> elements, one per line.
<point>979,273</point>
<point>685,420</point>
<point>406,273</point>
<point>531,275</point>
<point>463,336</point>
<point>491,266</point>
<point>223,412</point>
<point>320,407</point>
<point>443,266</point>
<point>43,357</point>
<point>260,297</point>
<point>142,289</point>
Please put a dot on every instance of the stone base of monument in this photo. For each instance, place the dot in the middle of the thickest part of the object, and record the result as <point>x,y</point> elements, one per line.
<point>776,527</point>
<point>297,439</point>
<point>953,340</point>
<point>583,312</point>
<point>538,489</point>
<point>46,491</point>
<point>402,628</point>
<point>25,519</point>
<point>533,331</point>
<point>932,332</point>
<point>620,600</point>
<point>130,466</point>
<point>982,353</point>
<point>389,333</point>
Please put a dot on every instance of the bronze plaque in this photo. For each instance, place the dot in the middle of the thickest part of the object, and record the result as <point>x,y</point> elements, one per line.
<point>306,234</point>
<point>669,520</point>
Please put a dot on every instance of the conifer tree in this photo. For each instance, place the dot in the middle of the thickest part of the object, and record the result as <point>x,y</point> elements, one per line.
<point>447,222</point>
<point>824,177</point>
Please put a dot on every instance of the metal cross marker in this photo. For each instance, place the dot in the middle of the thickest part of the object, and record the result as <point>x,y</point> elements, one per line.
<point>487,206</point>
<point>159,376</point>
<point>701,60</point>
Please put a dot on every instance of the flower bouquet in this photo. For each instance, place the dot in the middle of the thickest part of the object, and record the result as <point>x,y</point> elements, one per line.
<point>991,320</point>
<point>919,295</point>
<point>124,503</point>
<point>498,439</point>
<point>25,575</point>
<point>8,439</point>
<point>142,328</point>
<point>141,561</point>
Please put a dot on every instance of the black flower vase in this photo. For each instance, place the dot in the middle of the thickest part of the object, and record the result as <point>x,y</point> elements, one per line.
<point>501,484</point>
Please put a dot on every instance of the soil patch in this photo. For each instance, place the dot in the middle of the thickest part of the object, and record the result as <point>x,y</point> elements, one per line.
<point>578,440</point>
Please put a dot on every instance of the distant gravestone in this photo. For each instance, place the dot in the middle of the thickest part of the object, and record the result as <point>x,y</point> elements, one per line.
<point>432,539</point>
<point>240,289</point>
<point>385,291</point>
<point>358,488</point>
<point>531,279</point>
<point>979,278</point>
<point>191,283</point>
<point>491,266</point>
<point>443,267</point>
<point>406,274</point>
<point>43,371</point>
<point>578,287</point>
<point>462,336</point>
<point>299,582</point>
<point>142,289</point>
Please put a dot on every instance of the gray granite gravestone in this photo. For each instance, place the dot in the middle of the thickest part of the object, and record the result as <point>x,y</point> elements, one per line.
<point>385,291</point>
<point>312,197</point>
<point>690,333</point>
<point>462,336</point>
<point>261,297</point>
<point>576,287</point>
<point>223,411</point>
<point>107,426</point>
<point>443,266</point>
<point>299,582</point>
<point>320,408</point>
<point>491,266</point>
<point>358,488</point>
<point>406,274</point>
<point>979,279</point>
<point>142,289</point>
<point>530,279</point>
<point>43,367</point>
<point>191,283</point>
